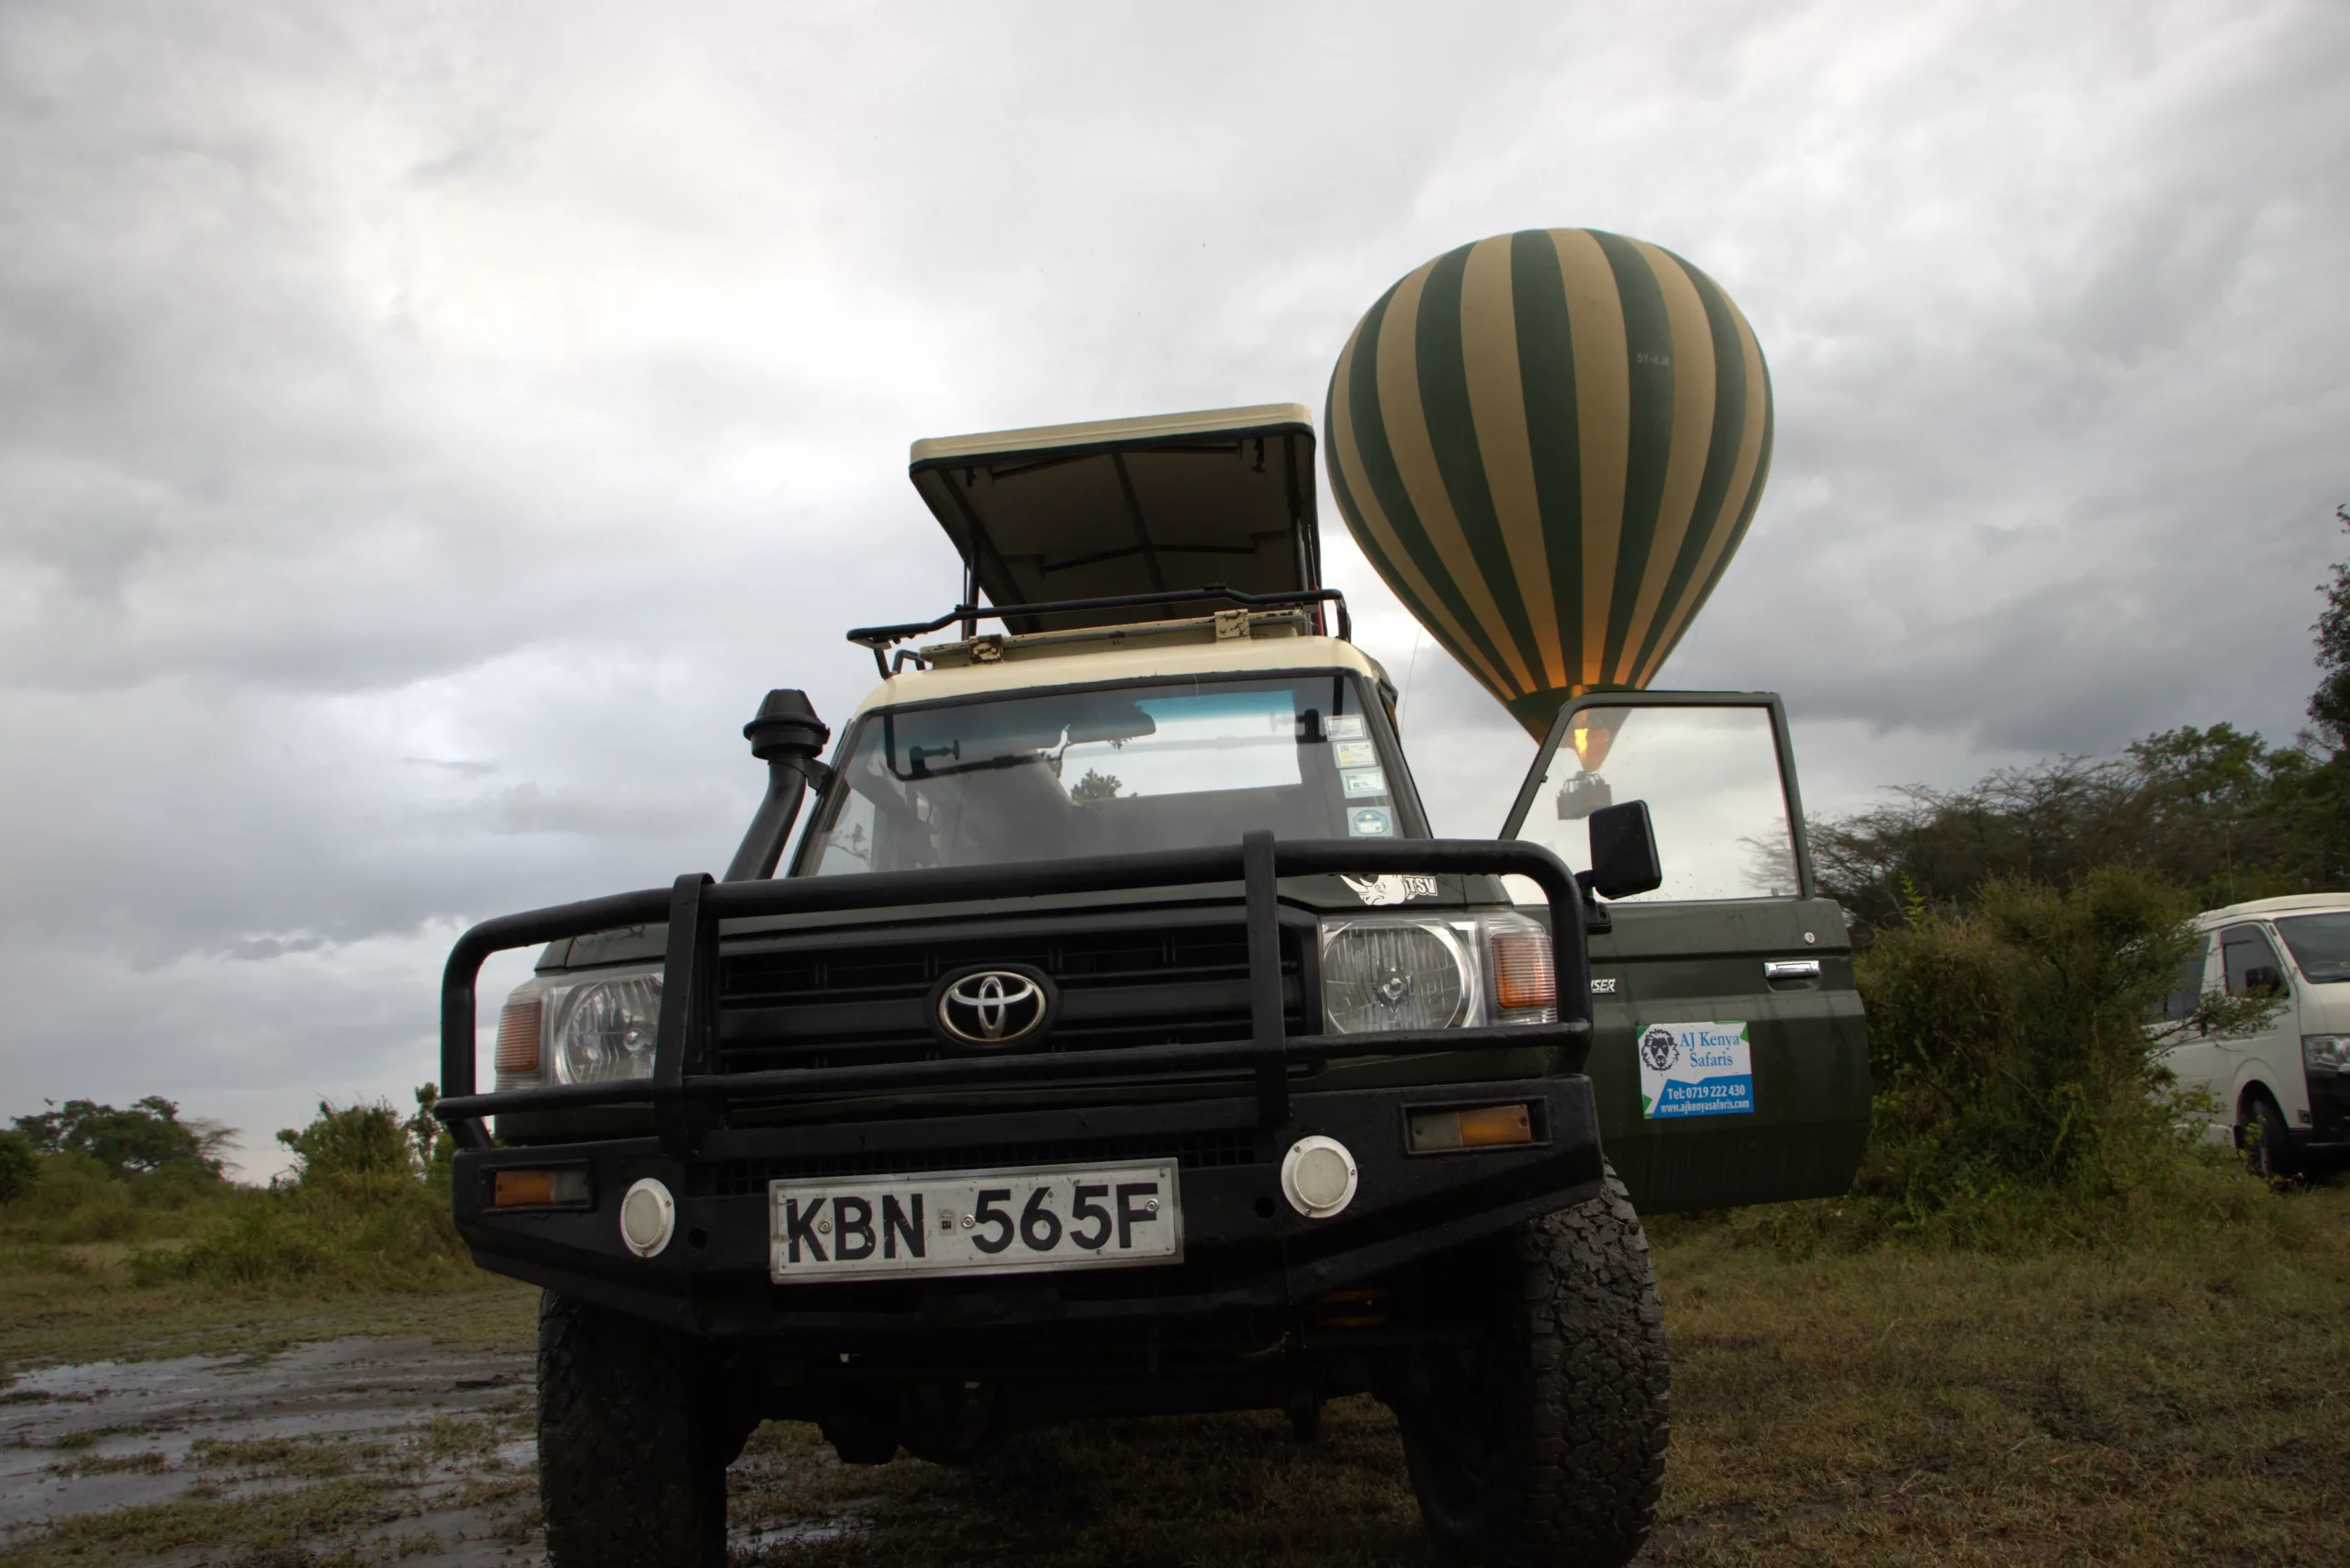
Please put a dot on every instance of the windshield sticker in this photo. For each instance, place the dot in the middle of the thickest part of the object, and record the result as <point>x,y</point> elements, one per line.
<point>1379,890</point>
<point>1695,1070</point>
<point>1364,780</point>
<point>1354,753</point>
<point>1370,821</point>
<point>1343,726</point>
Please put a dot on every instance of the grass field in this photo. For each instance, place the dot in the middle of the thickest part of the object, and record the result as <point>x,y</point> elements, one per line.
<point>2181,1401</point>
<point>2180,1398</point>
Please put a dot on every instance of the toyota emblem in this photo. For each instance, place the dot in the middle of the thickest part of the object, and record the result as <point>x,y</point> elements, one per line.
<point>993,1007</point>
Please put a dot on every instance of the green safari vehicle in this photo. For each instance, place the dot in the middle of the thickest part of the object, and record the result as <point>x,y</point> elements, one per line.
<point>1117,1039</point>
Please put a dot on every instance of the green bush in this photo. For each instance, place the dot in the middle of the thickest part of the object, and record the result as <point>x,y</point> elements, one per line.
<point>372,1139</point>
<point>368,1209</point>
<point>18,1166</point>
<point>349,1231</point>
<point>351,1140</point>
<point>75,1198</point>
<point>2018,1087</point>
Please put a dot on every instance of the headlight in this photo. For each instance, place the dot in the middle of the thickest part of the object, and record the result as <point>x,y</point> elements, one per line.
<point>1381,973</point>
<point>1390,971</point>
<point>2326,1053</point>
<point>602,1030</point>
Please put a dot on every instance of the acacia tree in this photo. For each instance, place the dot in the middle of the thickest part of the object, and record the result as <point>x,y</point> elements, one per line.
<point>140,1140</point>
<point>2330,706</point>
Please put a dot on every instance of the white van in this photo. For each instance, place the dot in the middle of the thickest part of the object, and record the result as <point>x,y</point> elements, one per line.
<point>2289,1079</point>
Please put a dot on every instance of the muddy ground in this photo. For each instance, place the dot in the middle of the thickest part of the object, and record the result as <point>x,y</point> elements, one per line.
<point>366,1447</point>
<point>372,1450</point>
<point>2174,1401</point>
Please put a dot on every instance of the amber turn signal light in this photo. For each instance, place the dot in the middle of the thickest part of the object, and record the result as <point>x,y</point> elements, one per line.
<point>1524,974</point>
<point>538,1189</point>
<point>1485,1126</point>
<point>518,1037</point>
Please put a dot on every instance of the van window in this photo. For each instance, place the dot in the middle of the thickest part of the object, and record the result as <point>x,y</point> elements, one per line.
<point>2320,945</point>
<point>2252,964</point>
<point>2186,994</point>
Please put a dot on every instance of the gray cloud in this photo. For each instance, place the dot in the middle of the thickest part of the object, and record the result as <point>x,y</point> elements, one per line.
<point>426,433</point>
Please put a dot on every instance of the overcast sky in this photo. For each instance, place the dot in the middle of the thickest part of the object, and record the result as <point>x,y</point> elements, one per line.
<point>426,431</point>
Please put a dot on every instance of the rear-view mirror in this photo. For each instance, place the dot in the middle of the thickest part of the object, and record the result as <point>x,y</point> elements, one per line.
<point>1127,721</point>
<point>1623,851</point>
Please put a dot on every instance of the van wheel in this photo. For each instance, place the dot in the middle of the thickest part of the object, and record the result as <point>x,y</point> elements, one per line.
<point>631,1458</point>
<point>2268,1144</point>
<point>1543,1439</point>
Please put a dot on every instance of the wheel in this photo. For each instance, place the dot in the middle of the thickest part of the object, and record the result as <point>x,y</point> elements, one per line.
<point>1541,1438</point>
<point>631,1457</point>
<point>2267,1143</point>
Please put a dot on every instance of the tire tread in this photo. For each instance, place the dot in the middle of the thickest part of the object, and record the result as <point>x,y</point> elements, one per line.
<point>627,1475</point>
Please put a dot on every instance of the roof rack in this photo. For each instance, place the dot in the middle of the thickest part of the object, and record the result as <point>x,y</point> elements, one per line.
<point>879,639</point>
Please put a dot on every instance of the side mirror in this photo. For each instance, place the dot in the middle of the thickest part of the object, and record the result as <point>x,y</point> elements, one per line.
<point>1623,851</point>
<point>2264,977</point>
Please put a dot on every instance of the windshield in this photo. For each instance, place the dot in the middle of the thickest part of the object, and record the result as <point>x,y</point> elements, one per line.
<point>2320,945</point>
<point>1103,770</point>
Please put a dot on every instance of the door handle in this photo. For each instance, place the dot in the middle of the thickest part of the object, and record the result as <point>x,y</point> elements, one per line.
<point>1790,968</point>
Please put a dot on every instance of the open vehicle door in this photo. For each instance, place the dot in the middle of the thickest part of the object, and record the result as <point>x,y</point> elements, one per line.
<point>1728,1055</point>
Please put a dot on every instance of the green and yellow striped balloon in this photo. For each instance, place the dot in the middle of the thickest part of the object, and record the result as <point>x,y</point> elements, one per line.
<point>1549,443</point>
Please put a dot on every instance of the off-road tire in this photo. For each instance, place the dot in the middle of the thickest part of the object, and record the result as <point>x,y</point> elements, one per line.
<point>1557,1457</point>
<point>2268,1144</point>
<point>632,1464</point>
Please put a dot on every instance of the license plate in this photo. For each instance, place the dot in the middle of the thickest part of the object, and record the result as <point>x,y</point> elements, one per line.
<point>975,1222</point>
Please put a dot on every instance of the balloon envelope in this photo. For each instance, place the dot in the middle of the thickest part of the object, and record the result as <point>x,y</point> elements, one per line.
<point>1549,443</point>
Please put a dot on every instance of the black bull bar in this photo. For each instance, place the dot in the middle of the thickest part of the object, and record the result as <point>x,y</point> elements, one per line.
<point>696,905</point>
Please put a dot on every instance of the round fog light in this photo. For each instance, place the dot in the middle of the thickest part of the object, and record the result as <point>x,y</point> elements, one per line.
<point>1318,1176</point>
<point>648,1217</point>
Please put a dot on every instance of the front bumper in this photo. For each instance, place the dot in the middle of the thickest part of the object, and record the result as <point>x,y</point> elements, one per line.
<point>2329,1095</point>
<point>1246,1250</point>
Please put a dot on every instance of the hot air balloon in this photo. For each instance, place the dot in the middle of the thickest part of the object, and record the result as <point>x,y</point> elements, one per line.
<point>1549,443</point>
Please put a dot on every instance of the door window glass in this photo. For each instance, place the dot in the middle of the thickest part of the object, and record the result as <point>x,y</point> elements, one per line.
<point>2320,945</point>
<point>1711,779</point>
<point>2187,991</point>
<point>2251,962</point>
<point>849,843</point>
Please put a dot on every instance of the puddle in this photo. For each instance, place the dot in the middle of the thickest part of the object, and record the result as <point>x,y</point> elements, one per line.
<point>442,1436</point>
<point>108,1435</point>
<point>852,1514</point>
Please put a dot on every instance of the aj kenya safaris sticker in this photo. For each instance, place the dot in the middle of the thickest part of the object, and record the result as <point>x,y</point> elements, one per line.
<point>1695,1070</point>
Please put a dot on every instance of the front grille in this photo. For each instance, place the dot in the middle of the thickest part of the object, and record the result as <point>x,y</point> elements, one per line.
<point>862,999</point>
<point>1196,1151</point>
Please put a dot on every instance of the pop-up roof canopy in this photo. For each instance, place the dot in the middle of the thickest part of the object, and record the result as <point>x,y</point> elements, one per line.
<point>1119,506</point>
